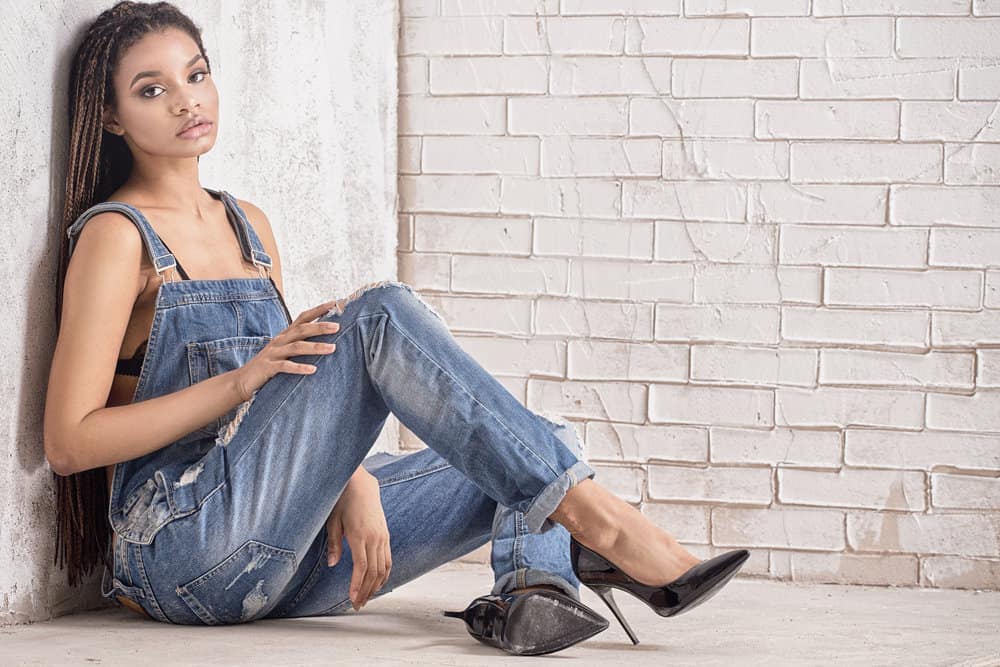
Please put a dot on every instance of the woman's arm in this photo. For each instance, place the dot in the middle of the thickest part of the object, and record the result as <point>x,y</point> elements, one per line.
<point>80,432</point>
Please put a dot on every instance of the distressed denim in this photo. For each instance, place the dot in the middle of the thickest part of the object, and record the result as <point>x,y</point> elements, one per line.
<point>228,523</point>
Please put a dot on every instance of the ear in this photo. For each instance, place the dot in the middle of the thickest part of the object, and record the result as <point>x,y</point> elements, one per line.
<point>109,123</point>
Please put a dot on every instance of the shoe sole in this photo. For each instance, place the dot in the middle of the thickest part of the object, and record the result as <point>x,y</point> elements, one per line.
<point>544,623</point>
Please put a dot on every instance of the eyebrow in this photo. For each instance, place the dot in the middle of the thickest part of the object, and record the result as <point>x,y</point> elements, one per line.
<point>158,72</point>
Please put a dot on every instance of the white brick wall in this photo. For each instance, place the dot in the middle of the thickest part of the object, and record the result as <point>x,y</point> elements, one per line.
<point>750,247</point>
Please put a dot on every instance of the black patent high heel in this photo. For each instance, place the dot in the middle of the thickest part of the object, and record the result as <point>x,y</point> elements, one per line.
<point>532,622</point>
<point>684,593</point>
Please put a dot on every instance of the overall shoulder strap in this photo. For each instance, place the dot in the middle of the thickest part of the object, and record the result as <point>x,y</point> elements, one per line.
<point>158,253</point>
<point>253,249</point>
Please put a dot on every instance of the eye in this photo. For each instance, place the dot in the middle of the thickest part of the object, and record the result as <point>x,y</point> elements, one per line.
<point>146,90</point>
<point>149,97</point>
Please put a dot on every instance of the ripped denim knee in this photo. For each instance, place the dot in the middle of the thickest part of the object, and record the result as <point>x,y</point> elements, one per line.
<point>341,304</point>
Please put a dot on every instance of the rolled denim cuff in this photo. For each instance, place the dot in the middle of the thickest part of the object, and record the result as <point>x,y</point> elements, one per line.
<point>536,519</point>
<point>527,576</point>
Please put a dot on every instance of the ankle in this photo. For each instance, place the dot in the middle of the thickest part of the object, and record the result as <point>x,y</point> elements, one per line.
<point>572,510</point>
<point>587,511</point>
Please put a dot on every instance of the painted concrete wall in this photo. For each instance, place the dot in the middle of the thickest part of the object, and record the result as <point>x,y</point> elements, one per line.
<point>307,132</point>
<point>749,247</point>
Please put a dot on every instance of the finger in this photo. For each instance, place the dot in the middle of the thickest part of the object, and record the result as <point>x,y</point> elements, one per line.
<point>371,575</point>
<point>306,347</point>
<point>358,575</point>
<point>334,543</point>
<point>366,580</point>
<point>288,366</point>
<point>374,571</point>
<point>323,308</point>
<point>387,555</point>
<point>380,569</point>
<point>322,327</point>
<point>314,312</point>
<point>377,572</point>
<point>383,562</point>
<point>334,551</point>
<point>388,567</point>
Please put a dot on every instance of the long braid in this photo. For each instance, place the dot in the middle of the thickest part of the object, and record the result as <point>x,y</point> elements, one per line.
<point>98,164</point>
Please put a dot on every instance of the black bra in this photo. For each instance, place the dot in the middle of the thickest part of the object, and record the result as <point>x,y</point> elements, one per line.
<point>133,366</point>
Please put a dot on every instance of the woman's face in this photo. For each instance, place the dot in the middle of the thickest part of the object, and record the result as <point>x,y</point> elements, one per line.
<point>161,83</point>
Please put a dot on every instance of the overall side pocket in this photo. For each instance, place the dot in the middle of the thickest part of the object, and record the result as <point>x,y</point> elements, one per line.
<point>142,515</point>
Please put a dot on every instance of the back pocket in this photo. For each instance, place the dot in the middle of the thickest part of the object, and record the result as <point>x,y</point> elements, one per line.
<point>213,357</point>
<point>243,587</point>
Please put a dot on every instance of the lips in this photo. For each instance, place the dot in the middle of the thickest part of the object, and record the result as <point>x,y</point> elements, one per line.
<point>197,120</point>
<point>196,132</point>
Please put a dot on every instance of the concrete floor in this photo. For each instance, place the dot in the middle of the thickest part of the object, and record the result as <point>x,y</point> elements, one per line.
<point>750,622</point>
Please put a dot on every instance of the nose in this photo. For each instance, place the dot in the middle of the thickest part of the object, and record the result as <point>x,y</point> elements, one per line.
<point>185,102</point>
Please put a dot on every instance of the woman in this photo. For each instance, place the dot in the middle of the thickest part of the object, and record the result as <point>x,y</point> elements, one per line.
<point>228,448</point>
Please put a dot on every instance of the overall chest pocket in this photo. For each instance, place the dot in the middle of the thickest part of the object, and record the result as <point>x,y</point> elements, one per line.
<point>214,357</point>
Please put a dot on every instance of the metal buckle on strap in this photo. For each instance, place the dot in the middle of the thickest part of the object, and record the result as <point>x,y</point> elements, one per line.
<point>166,275</point>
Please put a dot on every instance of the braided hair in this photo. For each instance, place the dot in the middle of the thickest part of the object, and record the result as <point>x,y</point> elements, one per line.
<point>99,163</point>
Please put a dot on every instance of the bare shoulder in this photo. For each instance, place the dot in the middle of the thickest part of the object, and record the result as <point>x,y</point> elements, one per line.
<point>262,226</point>
<point>113,242</point>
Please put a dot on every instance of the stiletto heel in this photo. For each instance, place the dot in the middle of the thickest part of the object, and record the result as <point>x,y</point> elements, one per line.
<point>698,584</point>
<point>604,592</point>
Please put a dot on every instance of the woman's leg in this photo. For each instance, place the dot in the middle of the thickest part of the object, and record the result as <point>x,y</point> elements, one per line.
<point>522,559</point>
<point>249,511</point>
<point>435,514</point>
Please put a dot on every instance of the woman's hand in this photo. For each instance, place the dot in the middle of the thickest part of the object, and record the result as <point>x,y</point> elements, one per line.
<point>358,515</point>
<point>273,357</point>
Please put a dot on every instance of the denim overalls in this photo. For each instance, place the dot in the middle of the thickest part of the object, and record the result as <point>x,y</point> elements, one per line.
<point>228,523</point>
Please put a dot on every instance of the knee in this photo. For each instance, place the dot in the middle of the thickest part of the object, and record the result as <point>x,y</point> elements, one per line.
<point>387,294</point>
<point>363,293</point>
